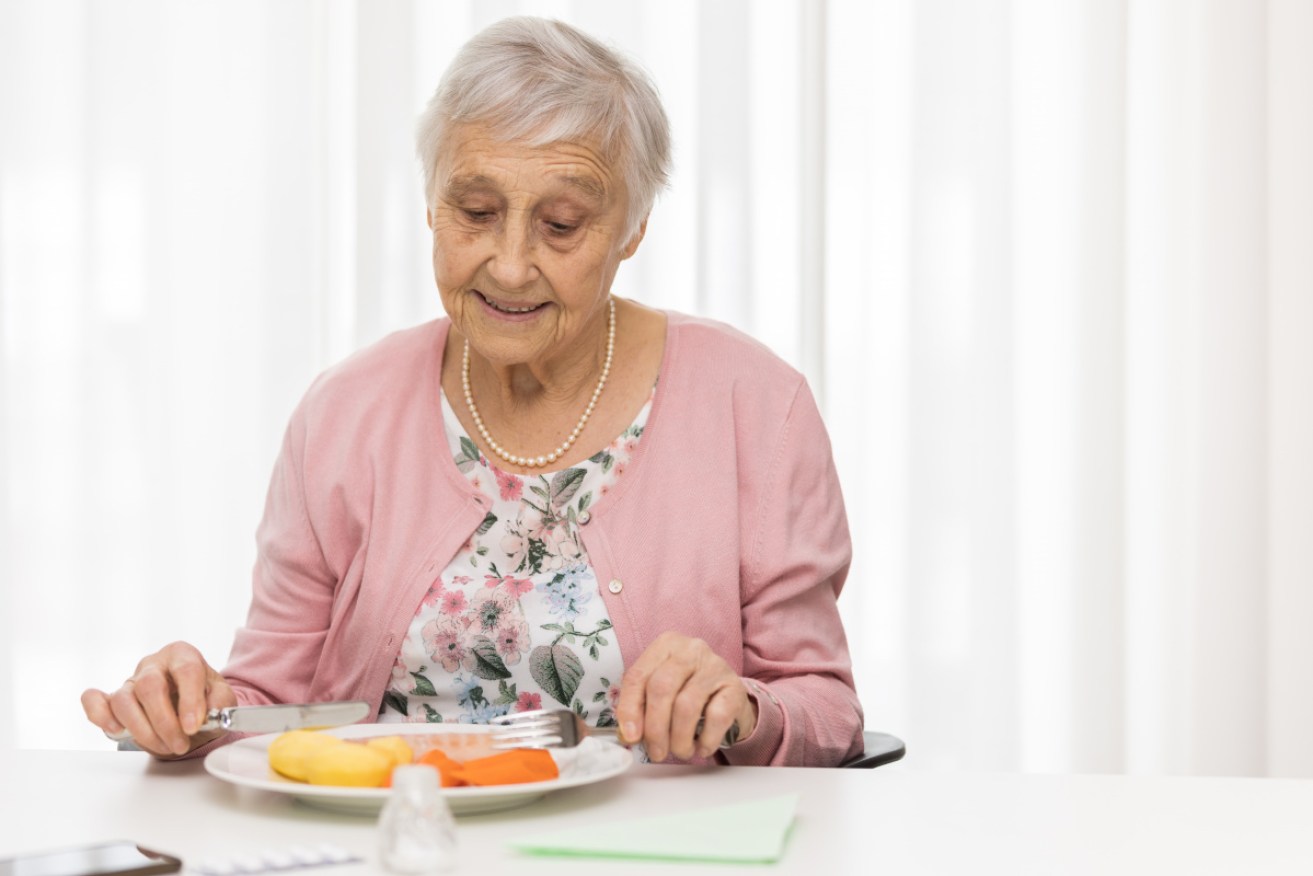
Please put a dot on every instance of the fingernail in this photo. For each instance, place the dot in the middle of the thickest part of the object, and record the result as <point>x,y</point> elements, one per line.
<point>189,725</point>
<point>630,730</point>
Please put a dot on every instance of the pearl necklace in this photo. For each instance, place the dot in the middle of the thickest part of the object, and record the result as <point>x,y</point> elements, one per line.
<point>539,461</point>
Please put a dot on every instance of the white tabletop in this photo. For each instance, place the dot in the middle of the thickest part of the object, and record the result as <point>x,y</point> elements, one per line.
<point>849,821</point>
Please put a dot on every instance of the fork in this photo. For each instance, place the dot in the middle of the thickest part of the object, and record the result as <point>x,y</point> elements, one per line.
<point>562,728</point>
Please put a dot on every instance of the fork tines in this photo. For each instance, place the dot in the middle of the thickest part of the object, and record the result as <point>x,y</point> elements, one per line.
<point>535,740</point>
<point>536,729</point>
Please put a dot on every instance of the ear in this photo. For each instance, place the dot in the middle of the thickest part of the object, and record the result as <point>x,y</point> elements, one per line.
<point>632,246</point>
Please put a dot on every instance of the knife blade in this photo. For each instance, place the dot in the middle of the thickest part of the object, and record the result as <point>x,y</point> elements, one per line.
<point>275,719</point>
<point>297,716</point>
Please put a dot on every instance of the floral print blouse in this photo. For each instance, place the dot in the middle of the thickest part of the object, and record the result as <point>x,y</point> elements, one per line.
<point>515,621</point>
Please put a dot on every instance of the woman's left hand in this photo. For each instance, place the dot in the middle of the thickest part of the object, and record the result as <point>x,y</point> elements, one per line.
<point>675,682</point>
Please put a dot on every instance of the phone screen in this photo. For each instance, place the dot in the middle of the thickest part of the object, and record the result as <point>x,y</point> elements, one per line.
<point>104,859</point>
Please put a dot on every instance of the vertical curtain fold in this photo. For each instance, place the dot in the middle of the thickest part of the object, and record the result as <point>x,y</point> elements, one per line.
<point>1289,474</point>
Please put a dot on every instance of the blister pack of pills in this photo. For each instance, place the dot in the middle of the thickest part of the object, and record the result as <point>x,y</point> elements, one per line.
<point>274,861</point>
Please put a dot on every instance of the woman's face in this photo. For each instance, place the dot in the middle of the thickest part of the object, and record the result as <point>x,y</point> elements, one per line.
<point>526,242</point>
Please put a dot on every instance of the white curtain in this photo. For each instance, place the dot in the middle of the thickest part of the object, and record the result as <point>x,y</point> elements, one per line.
<point>1048,264</point>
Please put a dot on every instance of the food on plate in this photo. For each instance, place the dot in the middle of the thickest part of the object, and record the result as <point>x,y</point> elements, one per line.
<point>290,752</point>
<point>460,758</point>
<point>349,765</point>
<point>394,747</point>
<point>447,767</point>
<point>514,767</point>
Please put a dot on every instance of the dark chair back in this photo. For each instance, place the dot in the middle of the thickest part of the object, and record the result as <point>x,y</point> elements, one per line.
<point>881,748</point>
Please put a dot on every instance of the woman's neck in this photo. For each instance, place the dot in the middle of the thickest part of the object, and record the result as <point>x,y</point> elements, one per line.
<point>531,409</point>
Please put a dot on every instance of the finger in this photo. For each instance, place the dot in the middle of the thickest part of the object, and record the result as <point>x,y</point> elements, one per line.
<point>129,713</point>
<point>718,716</point>
<point>631,705</point>
<point>190,679</point>
<point>688,712</point>
<point>156,693</point>
<point>629,708</point>
<point>218,694</point>
<point>95,703</point>
<point>664,685</point>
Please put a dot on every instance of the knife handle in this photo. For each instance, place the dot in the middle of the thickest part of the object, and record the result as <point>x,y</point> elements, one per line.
<point>215,719</point>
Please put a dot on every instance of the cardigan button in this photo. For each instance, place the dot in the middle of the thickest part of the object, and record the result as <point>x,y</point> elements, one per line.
<point>616,585</point>
<point>584,517</point>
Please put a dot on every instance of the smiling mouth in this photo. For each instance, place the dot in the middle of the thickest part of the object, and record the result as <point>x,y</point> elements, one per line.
<point>505,308</point>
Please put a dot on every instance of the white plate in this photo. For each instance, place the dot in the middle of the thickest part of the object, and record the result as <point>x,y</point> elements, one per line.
<point>246,762</point>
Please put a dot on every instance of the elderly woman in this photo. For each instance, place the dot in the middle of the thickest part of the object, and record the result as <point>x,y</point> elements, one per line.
<point>554,497</point>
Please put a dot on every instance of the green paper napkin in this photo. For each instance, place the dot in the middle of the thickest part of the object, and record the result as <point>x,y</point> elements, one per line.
<point>752,833</point>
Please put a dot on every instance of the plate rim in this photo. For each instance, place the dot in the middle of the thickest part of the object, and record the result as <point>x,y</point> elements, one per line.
<point>281,785</point>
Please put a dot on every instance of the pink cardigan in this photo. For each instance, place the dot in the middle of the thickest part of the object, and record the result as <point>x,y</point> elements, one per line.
<point>728,525</point>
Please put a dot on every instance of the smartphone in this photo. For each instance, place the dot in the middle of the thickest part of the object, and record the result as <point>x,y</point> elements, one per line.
<point>101,859</point>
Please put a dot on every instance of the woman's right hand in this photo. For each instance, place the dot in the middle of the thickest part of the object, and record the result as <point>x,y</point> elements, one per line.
<point>164,702</point>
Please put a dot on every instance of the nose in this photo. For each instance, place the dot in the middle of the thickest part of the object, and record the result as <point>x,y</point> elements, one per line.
<point>512,264</point>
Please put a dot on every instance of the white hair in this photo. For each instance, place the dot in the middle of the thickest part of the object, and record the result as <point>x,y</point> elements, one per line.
<point>546,82</point>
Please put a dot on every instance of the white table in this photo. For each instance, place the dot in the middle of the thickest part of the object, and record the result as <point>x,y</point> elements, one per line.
<point>880,822</point>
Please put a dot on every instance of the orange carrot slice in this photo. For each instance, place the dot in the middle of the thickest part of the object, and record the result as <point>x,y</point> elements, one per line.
<point>450,771</point>
<point>516,767</point>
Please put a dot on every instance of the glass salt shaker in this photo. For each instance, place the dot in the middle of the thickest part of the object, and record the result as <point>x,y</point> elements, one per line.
<point>416,830</point>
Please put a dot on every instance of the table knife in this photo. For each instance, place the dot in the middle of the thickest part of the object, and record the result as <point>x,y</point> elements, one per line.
<point>275,719</point>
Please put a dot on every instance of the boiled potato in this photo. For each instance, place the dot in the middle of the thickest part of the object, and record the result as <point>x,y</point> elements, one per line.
<point>290,753</point>
<point>349,765</point>
<point>394,747</point>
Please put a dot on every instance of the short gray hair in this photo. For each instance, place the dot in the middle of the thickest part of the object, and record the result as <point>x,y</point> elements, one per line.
<point>547,82</point>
